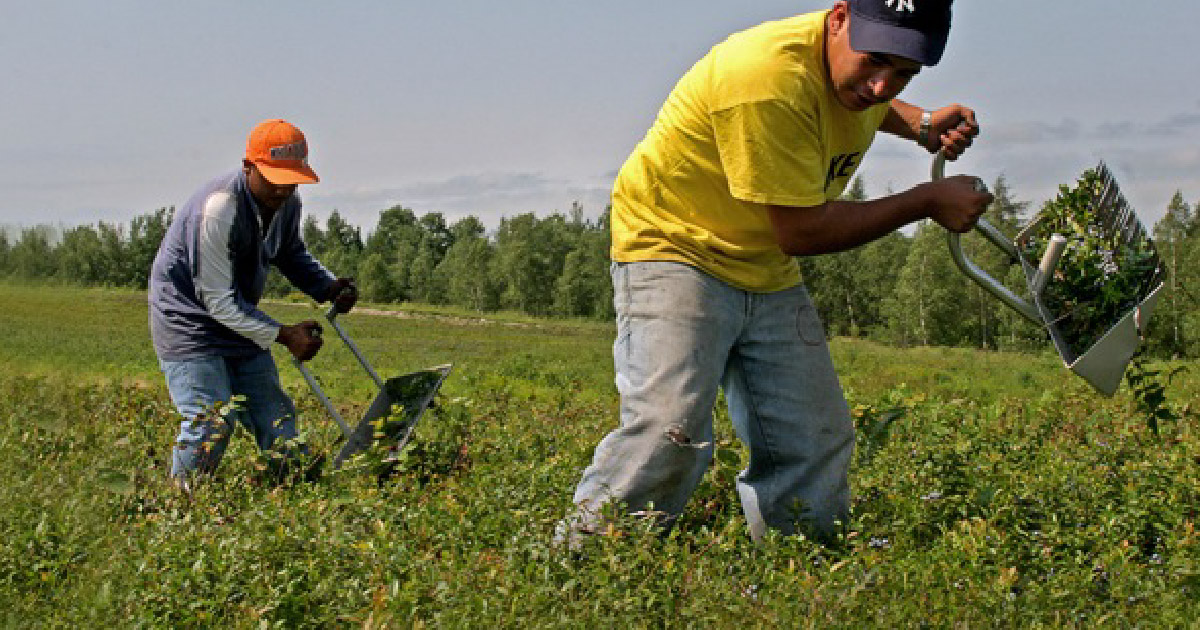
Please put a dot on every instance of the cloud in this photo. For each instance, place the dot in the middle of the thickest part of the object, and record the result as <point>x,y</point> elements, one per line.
<point>1067,130</point>
<point>1115,130</point>
<point>1071,130</point>
<point>1174,125</point>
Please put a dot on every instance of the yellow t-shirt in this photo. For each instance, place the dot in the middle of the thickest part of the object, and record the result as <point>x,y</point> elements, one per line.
<point>753,123</point>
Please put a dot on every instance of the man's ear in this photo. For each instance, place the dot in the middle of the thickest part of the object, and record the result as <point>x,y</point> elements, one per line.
<point>838,16</point>
<point>246,166</point>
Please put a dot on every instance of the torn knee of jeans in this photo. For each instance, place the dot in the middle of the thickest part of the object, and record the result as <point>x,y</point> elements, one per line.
<point>677,437</point>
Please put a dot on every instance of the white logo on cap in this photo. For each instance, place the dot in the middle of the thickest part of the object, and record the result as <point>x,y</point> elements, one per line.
<point>294,151</point>
<point>902,5</point>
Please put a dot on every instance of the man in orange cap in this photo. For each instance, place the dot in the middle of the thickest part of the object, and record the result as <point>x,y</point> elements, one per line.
<point>211,339</point>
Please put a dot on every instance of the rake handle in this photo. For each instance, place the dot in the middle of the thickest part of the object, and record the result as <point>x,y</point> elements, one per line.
<point>331,316</point>
<point>973,271</point>
<point>320,394</point>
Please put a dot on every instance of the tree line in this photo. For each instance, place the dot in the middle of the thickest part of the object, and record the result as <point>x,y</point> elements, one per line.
<point>902,289</point>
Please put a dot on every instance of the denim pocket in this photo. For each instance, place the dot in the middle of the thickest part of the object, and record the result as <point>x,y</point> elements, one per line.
<point>808,324</point>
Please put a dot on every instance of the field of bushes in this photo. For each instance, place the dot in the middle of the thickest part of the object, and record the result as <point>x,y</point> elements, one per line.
<point>991,490</point>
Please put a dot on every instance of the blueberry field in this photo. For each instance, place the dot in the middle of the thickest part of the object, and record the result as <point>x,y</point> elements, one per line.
<point>990,489</point>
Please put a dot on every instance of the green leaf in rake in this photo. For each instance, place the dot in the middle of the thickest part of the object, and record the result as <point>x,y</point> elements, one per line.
<point>729,457</point>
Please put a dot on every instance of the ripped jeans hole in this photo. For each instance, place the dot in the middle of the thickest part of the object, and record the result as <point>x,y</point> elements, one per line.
<point>677,437</point>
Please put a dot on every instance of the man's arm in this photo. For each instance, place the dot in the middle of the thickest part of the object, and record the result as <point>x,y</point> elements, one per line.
<point>298,265</point>
<point>836,226</point>
<point>955,203</point>
<point>951,128</point>
<point>214,274</point>
<point>310,276</point>
<point>214,285</point>
<point>902,120</point>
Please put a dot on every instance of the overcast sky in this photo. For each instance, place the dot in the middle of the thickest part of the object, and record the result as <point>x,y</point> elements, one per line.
<point>113,109</point>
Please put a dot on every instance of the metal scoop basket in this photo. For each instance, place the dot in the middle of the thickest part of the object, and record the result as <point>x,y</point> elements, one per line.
<point>1099,357</point>
<point>393,415</point>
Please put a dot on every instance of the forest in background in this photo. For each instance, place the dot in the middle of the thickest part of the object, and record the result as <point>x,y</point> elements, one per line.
<point>902,289</point>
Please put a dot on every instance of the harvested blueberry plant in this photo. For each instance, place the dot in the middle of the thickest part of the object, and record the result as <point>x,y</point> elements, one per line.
<point>1108,267</point>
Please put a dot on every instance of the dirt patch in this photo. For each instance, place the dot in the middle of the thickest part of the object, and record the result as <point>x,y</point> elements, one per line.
<point>402,314</point>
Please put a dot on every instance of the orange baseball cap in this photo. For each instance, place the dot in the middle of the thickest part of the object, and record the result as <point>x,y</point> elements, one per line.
<point>280,152</point>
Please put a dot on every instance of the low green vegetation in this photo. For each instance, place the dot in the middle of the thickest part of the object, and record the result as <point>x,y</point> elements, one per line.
<point>991,490</point>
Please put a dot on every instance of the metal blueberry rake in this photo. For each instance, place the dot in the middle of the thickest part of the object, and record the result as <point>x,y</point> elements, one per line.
<point>1100,358</point>
<point>412,393</point>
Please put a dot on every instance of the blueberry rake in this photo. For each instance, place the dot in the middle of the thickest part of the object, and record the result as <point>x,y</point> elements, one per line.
<point>1101,358</point>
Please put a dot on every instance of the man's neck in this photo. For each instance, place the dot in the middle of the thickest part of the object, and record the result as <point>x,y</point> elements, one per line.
<point>265,214</point>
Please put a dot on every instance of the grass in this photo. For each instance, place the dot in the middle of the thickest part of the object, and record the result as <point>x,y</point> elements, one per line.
<point>991,490</point>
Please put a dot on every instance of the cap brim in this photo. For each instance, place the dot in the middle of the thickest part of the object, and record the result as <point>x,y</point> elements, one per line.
<point>867,35</point>
<point>283,176</point>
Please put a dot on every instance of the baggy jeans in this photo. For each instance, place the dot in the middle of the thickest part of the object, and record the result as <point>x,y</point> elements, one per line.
<point>681,334</point>
<point>197,385</point>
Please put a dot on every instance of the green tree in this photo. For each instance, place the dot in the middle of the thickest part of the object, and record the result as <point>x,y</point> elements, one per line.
<point>375,280</point>
<point>343,245</point>
<point>396,238</point>
<point>117,269</point>
<point>32,256</point>
<point>396,228</point>
<point>927,306</point>
<point>313,236</point>
<point>530,254</point>
<point>986,320</point>
<point>842,300</point>
<point>146,232</point>
<point>584,288</point>
<point>78,256</point>
<point>424,287</point>
<point>4,250</point>
<point>466,227</point>
<point>466,271</point>
<point>436,235</point>
<point>879,264</point>
<point>1175,237</point>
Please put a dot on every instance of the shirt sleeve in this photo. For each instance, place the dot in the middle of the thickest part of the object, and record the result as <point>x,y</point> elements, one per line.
<point>214,274</point>
<point>298,265</point>
<point>771,153</point>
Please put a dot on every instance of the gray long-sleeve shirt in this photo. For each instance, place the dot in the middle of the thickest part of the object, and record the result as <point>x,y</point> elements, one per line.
<point>212,266</point>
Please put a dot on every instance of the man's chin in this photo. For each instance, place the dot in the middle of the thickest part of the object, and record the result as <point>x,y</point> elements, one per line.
<point>854,105</point>
<point>269,203</point>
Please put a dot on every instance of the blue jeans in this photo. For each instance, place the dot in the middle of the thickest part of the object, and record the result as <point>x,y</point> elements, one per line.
<point>198,385</point>
<point>681,334</point>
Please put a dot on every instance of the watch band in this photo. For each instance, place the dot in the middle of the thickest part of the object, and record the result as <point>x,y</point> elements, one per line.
<point>923,130</point>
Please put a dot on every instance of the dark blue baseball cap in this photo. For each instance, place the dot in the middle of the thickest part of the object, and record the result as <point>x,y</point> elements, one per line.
<point>913,29</point>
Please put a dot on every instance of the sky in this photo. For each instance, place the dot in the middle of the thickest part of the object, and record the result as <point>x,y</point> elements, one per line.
<point>114,109</point>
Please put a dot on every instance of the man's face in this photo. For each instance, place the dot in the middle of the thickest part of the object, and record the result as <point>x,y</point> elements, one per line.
<point>862,79</point>
<point>271,196</point>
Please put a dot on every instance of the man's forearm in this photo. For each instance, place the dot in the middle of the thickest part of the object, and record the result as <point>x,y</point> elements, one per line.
<point>837,226</point>
<point>903,120</point>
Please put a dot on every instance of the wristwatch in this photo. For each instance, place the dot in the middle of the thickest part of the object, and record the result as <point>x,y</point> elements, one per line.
<point>926,125</point>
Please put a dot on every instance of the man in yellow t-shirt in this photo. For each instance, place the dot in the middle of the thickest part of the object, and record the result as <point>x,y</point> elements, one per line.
<point>741,172</point>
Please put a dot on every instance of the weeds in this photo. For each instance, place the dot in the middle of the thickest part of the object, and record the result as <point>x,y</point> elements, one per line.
<point>977,503</point>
